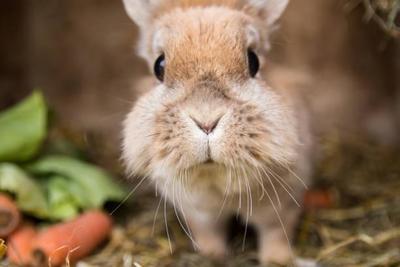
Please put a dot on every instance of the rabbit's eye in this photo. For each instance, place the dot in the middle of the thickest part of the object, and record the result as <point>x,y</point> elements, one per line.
<point>159,67</point>
<point>254,63</point>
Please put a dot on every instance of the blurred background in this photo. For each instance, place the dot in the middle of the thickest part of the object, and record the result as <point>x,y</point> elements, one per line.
<point>81,55</point>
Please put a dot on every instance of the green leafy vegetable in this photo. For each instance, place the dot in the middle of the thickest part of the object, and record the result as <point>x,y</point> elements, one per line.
<point>63,197</point>
<point>96,184</point>
<point>52,187</point>
<point>23,129</point>
<point>28,193</point>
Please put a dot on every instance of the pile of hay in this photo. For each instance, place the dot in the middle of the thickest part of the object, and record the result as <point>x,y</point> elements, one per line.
<point>361,229</point>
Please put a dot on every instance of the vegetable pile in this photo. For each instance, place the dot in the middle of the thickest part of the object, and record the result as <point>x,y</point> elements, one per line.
<point>38,187</point>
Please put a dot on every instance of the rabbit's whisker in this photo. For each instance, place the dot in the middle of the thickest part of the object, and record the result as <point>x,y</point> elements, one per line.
<point>258,176</point>
<point>294,174</point>
<point>282,224</point>
<point>176,212</point>
<point>276,176</point>
<point>249,206</point>
<point>226,192</point>
<point>273,187</point>
<point>280,181</point>
<point>128,195</point>
<point>195,245</point>
<point>153,134</point>
<point>165,217</point>
<point>237,178</point>
<point>155,215</point>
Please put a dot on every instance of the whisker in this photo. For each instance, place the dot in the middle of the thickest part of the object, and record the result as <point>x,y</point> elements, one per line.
<point>176,212</point>
<point>287,191</point>
<point>240,192</point>
<point>156,189</point>
<point>273,188</point>
<point>258,177</point>
<point>186,181</point>
<point>247,210</point>
<point>128,195</point>
<point>249,207</point>
<point>251,197</point>
<point>282,225</point>
<point>155,215</point>
<point>276,176</point>
<point>166,221</point>
<point>227,188</point>
<point>295,175</point>
<point>153,134</point>
<point>194,243</point>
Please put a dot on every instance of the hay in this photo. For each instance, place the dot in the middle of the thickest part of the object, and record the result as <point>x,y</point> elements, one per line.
<point>386,13</point>
<point>362,229</point>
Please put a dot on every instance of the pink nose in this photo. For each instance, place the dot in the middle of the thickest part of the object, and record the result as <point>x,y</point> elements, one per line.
<point>206,127</point>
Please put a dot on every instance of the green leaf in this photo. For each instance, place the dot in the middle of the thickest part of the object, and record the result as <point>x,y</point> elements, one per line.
<point>97,186</point>
<point>28,194</point>
<point>63,199</point>
<point>23,129</point>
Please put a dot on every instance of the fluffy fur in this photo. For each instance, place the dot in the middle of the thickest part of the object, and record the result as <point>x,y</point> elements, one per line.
<point>251,163</point>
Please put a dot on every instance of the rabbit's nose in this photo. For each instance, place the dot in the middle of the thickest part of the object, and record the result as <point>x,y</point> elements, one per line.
<point>206,127</point>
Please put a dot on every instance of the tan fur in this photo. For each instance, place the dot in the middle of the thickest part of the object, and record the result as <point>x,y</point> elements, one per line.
<point>169,5</point>
<point>260,142</point>
<point>184,4</point>
<point>192,55</point>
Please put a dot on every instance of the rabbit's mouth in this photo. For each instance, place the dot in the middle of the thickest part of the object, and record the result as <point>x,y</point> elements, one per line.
<point>209,161</point>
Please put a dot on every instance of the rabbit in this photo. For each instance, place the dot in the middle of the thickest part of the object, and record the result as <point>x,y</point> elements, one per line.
<point>210,133</point>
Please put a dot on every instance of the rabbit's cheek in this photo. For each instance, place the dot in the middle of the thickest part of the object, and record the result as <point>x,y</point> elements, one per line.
<point>179,144</point>
<point>244,137</point>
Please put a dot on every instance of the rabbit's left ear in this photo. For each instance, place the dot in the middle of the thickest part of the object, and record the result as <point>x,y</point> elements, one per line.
<point>268,10</point>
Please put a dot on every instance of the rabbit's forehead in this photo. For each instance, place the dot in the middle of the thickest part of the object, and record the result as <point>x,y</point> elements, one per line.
<point>200,41</point>
<point>191,18</point>
<point>215,28</point>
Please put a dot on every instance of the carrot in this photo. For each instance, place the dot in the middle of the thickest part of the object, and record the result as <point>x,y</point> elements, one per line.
<point>72,240</point>
<point>19,243</point>
<point>10,216</point>
<point>318,199</point>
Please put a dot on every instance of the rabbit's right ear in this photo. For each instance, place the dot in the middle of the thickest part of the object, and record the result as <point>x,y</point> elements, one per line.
<point>140,11</point>
<point>268,10</point>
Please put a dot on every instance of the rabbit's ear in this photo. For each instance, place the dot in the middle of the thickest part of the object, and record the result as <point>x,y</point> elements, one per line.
<point>268,10</point>
<point>140,11</point>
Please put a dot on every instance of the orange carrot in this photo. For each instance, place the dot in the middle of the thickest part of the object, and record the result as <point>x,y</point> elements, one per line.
<point>72,240</point>
<point>318,199</point>
<point>19,243</point>
<point>10,216</point>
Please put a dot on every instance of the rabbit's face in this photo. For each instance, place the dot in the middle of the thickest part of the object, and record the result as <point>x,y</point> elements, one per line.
<point>210,106</point>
